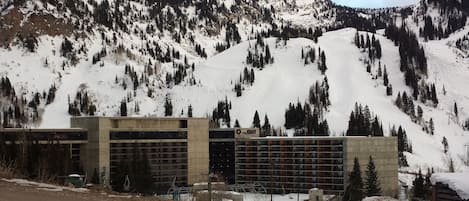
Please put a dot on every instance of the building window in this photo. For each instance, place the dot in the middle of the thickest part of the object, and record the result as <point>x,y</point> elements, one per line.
<point>182,123</point>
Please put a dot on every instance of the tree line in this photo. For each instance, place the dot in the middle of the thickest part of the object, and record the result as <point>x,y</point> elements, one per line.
<point>372,46</point>
<point>363,123</point>
<point>308,119</point>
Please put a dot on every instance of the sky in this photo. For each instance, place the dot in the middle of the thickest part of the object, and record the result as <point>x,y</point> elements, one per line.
<point>375,3</point>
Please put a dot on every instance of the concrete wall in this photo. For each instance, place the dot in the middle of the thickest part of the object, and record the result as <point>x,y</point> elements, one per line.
<point>198,150</point>
<point>384,153</point>
<point>90,153</point>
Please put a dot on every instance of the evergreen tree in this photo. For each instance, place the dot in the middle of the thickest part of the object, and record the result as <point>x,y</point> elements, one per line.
<point>267,54</point>
<point>322,62</point>
<point>266,126</point>
<point>66,48</point>
<point>445,145</point>
<point>357,40</point>
<point>434,96</point>
<point>168,107</point>
<point>354,190</point>
<point>238,89</point>
<point>123,109</point>
<point>256,122</point>
<point>236,125</point>
<point>419,112</point>
<point>401,140</point>
<point>431,126</point>
<point>389,90</point>
<point>189,111</point>
<point>372,184</point>
<point>455,109</point>
<point>418,184</point>
<point>252,76</point>
<point>428,184</point>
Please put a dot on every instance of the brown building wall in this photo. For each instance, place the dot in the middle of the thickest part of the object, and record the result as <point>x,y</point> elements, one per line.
<point>384,153</point>
<point>198,150</point>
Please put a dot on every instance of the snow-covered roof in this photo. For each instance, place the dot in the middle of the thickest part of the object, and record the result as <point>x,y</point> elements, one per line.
<point>459,182</point>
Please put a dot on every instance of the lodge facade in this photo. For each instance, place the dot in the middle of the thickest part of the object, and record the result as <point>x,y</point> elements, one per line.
<point>183,151</point>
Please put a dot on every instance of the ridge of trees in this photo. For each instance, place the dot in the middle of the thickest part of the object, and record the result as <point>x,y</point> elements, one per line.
<point>307,119</point>
<point>362,122</point>
<point>372,46</point>
<point>81,104</point>
<point>403,145</point>
<point>413,63</point>
<point>221,114</point>
<point>246,78</point>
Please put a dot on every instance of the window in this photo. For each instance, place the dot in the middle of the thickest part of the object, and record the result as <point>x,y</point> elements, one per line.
<point>182,123</point>
<point>127,135</point>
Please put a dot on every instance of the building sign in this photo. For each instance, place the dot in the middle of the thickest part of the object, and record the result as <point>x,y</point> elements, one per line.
<point>247,132</point>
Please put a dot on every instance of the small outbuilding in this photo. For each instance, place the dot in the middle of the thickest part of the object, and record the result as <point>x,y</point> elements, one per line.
<point>450,186</point>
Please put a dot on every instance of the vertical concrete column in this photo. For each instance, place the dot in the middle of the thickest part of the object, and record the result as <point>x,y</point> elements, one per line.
<point>104,150</point>
<point>89,152</point>
<point>197,150</point>
<point>95,154</point>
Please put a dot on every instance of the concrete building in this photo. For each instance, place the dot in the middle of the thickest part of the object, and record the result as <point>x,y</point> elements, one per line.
<point>297,164</point>
<point>176,147</point>
<point>183,150</point>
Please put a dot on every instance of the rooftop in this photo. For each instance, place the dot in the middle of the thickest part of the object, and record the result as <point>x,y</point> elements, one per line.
<point>459,182</point>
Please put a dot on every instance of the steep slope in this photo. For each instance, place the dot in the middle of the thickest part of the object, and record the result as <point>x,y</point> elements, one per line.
<point>350,82</point>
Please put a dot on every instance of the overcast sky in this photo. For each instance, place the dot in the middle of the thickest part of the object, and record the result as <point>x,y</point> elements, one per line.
<point>375,3</point>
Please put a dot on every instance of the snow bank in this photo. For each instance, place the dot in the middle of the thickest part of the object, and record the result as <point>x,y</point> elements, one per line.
<point>459,182</point>
<point>379,198</point>
<point>43,186</point>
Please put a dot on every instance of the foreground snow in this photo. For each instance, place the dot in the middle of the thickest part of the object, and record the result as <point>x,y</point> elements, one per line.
<point>44,186</point>
<point>378,198</point>
<point>262,197</point>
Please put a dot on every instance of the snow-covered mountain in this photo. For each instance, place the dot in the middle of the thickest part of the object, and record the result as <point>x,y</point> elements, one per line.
<point>66,58</point>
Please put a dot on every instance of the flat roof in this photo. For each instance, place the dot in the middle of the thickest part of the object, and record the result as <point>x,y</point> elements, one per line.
<point>40,130</point>
<point>317,137</point>
<point>137,118</point>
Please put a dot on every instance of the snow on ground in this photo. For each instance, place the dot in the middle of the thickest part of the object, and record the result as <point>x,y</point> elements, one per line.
<point>285,81</point>
<point>262,197</point>
<point>350,83</point>
<point>27,69</point>
<point>378,198</point>
<point>459,182</point>
<point>303,13</point>
<point>44,186</point>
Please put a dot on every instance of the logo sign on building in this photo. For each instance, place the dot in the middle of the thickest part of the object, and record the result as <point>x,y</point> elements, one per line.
<point>247,132</point>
